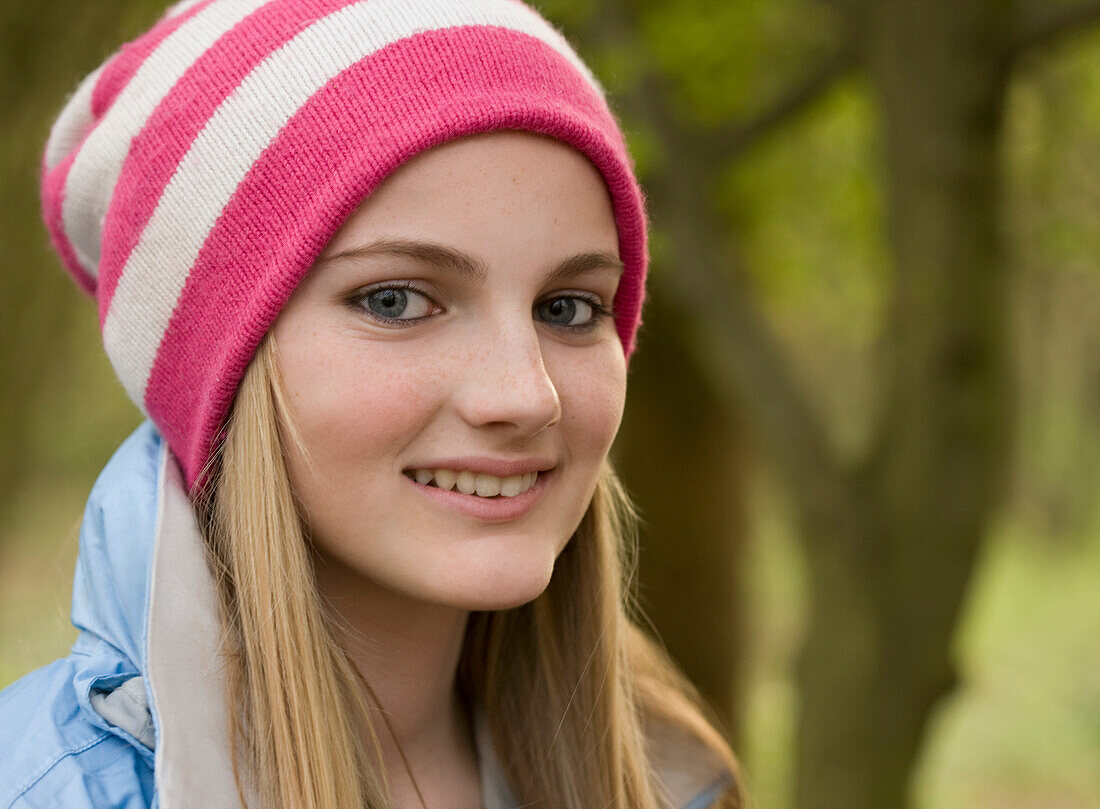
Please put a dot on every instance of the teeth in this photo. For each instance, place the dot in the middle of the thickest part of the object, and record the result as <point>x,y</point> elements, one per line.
<point>487,486</point>
<point>467,482</point>
<point>476,483</point>
<point>444,478</point>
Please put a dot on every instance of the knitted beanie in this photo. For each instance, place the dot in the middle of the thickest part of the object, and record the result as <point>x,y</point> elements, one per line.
<point>193,179</point>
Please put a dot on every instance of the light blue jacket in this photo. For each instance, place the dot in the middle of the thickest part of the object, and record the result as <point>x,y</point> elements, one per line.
<point>133,717</point>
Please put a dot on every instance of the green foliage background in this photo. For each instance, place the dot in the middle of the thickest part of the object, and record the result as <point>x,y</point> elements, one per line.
<point>806,208</point>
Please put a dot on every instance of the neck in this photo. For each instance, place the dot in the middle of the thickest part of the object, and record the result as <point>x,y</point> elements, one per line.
<point>407,650</point>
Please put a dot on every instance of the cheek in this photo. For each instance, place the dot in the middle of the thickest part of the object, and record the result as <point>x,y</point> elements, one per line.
<point>352,402</point>
<point>593,400</point>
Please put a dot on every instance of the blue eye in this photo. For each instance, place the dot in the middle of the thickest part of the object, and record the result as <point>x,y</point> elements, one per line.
<point>572,312</point>
<point>388,302</point>
<point>393,303</point>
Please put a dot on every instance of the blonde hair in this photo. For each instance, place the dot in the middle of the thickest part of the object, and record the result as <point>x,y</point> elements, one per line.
<point>300,707</point>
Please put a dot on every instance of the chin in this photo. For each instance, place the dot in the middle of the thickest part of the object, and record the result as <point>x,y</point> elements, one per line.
<point>499,586</point>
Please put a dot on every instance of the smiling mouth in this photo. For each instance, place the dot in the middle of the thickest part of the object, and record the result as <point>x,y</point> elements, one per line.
<point>476,484</point>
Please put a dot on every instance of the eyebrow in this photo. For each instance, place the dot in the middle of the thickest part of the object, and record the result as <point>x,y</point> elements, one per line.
<point>467,266</point>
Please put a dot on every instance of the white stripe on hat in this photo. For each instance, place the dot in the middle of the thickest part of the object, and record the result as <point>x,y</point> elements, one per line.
<point>92,177</point>
<point>74,121</point>
<point>237,133</point>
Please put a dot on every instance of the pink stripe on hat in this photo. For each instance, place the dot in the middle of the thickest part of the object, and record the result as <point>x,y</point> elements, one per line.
<point>122,67</point>
<point>173,126</point>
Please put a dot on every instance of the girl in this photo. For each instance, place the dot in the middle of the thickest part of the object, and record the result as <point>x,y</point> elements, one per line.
<point>373,270</point>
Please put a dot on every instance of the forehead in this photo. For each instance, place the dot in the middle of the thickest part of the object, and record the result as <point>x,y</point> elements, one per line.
<point>498,191</point>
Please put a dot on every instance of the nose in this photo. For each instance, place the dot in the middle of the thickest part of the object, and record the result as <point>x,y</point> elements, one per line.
<point>508,383</point>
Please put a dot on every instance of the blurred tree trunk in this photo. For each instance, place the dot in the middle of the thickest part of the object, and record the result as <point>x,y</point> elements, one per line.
<point>891,555</point>
<point>677,456</point>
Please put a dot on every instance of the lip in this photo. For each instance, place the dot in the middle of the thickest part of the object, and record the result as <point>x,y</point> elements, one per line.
<point>488,509</point>
<point>501,467</point>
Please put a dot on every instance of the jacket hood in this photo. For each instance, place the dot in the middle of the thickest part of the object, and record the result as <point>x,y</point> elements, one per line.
<point>146,606</point>
<point>111,582</point>
<point>114,564</point>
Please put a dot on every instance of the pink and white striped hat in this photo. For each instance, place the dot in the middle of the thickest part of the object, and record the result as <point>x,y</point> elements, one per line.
<point>193,179</point>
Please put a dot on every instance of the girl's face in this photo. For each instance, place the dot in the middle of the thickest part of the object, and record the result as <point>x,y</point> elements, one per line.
<point>458,321</point>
